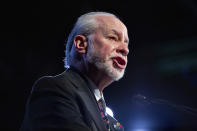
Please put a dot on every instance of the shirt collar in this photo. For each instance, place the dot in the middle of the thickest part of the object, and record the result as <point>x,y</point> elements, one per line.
<point>97,94</point>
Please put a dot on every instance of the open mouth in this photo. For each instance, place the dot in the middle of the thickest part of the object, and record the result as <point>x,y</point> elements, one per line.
<point>119,62</point>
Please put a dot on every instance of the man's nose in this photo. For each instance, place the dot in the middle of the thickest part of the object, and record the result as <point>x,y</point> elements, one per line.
<point>123,49</point>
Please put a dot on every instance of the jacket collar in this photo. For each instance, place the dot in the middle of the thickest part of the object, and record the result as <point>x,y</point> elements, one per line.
<point>85,90</point>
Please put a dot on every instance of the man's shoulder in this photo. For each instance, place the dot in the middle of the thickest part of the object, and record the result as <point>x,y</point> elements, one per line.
<point>60,81</point>
<point>68,82</point>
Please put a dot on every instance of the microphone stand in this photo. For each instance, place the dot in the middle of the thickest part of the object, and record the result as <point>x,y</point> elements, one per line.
<point>147,101</point>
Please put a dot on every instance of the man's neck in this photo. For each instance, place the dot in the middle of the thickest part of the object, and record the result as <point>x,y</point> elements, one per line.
<point>100,79</point>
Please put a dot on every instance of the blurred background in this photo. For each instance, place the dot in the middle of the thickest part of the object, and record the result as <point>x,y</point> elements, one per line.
<point>159,89</point>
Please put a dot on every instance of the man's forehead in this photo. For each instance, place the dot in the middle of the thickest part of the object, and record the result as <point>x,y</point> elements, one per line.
<point>112,24</point>
<point>108,20</point>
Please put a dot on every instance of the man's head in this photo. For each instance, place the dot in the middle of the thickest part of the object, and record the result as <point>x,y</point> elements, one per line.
<point>101,40</point>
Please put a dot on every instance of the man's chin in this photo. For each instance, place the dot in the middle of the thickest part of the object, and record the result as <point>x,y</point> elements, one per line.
<point>111,70</point>
<point>116,73</point>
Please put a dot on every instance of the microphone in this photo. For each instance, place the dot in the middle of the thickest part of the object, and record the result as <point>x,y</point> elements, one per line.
<point>141,99</point>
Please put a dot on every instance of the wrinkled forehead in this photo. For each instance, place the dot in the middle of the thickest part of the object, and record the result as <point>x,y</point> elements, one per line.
<point>109,23</point>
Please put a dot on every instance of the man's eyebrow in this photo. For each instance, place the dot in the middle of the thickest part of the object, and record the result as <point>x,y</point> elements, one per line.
<point>115,32</point>
<point>119,34</point>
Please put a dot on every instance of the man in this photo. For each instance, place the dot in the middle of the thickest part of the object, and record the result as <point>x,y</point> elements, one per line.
<point>96,55</point>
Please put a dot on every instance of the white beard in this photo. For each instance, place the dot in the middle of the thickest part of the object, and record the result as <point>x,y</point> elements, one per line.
<point>95,58</point>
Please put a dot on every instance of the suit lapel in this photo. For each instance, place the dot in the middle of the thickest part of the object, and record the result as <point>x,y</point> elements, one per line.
<point>85,92</point>
<point>93,110</point>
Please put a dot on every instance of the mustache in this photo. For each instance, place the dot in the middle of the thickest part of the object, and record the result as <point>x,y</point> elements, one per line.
<point>115,55</point>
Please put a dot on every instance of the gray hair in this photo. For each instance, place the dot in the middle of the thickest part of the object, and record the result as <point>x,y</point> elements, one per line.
<point>86,24</point>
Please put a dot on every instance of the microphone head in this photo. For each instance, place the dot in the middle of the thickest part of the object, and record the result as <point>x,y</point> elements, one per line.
<point>139,96</point>
<point>140,99</point>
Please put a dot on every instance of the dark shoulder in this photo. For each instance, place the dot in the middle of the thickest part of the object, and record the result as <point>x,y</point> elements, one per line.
<point>57,83</point>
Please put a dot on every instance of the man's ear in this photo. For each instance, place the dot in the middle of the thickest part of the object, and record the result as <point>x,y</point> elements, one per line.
<point>81,43</point>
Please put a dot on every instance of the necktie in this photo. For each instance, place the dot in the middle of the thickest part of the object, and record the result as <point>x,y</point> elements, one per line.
<point>102,107</point>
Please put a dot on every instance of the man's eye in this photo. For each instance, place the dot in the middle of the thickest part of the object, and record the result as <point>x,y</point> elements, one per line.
<point>112,38</point>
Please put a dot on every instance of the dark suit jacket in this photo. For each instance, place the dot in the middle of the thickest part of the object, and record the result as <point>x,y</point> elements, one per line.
<point>63,103</point>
